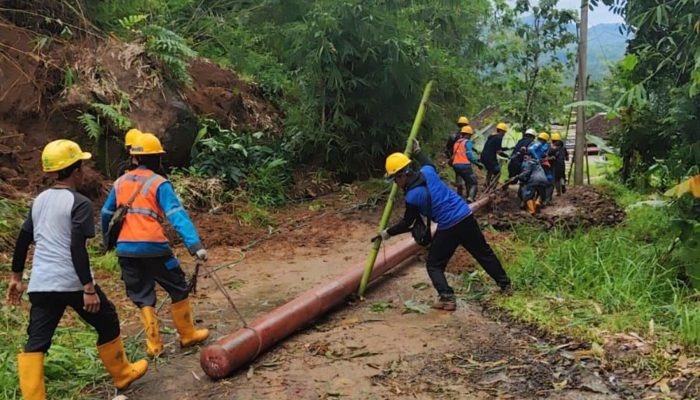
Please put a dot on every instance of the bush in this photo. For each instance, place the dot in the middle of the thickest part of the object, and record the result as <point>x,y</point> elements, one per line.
<point>618,278</point>
<point>252,161</point>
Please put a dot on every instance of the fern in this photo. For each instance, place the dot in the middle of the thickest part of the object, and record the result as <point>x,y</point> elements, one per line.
<point>132,21</point>
<point>170,49</point>
<point>119,120</point>
<point>91,126</point>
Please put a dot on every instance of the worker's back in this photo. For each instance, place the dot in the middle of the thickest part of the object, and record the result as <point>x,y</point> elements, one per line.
<point>491,147</point>
<point>447,207</point>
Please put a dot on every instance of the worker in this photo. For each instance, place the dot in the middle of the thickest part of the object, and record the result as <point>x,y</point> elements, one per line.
<point>561,156</point>
<point>144,254</point>
<point>539,148</point>
<point>456,224</point>
<point>129,140</point>
<point>462,121</point>
<point>489,154</point>
<point>516,158</point>
<point>462,161</point>
<point>59,223</point>
<point>533,183</point>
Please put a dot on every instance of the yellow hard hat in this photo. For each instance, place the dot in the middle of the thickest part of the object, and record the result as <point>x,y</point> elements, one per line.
<point>61,154</point>
<point>467,129</point>
<point>543,136</point>
<point>395,163</point>
<point>461,121</point>
<point>502,126</point>
<point>131,136</point>
<point>146,143</point>
<point>556,136</point>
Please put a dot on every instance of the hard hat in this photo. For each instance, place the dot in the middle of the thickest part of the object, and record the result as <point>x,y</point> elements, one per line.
<point>531,132</point>
<point>395,163</point>
<point>467,129</point>
<point>556,136</point>
<point>146,143</point>
<point>543,136</point>
<point>461,121</point>
<point>131,136</point>
<point>502,126</point>
<point>61,154</point>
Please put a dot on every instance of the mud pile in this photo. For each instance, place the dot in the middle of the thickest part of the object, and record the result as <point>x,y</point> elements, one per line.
<point>47,83</point>
<point>580,207</point>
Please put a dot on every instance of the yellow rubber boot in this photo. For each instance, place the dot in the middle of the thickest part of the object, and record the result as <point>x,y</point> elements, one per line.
<point>30,367</point>
<point>154,343</point>
<point>182,318</point>
<point>122,371</point>
<point>531,207</point>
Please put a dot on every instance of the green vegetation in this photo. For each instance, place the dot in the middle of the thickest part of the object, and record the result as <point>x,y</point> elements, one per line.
<point>12,214</point>
<point>607,279</point>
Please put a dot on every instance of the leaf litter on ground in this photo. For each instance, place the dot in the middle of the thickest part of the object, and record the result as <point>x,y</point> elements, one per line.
<point>413,306</point>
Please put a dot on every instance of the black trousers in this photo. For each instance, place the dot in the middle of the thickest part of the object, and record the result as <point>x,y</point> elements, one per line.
<point>141,274</point>
<point>467,174</point>
<point>48,308</point>
<point>468,234</point>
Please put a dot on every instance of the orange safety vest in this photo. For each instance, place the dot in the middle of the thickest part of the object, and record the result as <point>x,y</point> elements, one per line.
<point>143,220</point>
<point>460,152</point>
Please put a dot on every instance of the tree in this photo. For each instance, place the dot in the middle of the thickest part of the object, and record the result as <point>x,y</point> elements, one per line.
<point>527,51</point>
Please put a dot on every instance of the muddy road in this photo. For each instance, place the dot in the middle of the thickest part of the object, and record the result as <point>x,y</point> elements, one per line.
<point>375,349</point>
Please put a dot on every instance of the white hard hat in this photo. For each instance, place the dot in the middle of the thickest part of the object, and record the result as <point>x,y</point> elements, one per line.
<point>531,132</point>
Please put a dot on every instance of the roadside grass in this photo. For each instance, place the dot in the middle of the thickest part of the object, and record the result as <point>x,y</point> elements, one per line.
<point>605,280</point>
<point>73,369</point>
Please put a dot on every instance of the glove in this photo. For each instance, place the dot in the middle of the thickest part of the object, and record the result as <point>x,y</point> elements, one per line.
<point>384,235</point>
<point>201,254</point>
<point>416,146</point>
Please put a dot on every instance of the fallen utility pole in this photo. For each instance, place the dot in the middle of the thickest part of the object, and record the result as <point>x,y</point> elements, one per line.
<point>580,110</point>
<point>237,349</point>
<point>374,250</point>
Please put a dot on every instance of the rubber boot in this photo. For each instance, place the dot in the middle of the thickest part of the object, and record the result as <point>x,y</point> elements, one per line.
<point>182,319</point>
<point>446,303</point>
<point>531,206</point>
<point>30,367</point>
<point>460,190</point>
<point>154,343</point>
<point>472,194</point>
<point>122,371</point>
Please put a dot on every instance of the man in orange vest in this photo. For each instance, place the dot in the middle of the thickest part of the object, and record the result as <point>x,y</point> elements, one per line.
<point>142,247</point>
<point>59,223</point>
<point>462,160</point>
<point>462,121</point>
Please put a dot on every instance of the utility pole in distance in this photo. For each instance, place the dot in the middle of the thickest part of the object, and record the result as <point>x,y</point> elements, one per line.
<point>580,149</point>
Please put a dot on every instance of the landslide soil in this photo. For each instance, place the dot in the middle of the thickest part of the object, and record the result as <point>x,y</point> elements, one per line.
<point>365,350</point>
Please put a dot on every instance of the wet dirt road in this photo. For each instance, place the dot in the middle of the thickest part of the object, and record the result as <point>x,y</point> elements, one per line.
<point>366,350</point>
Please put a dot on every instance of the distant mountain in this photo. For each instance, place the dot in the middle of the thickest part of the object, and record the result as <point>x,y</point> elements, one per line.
<point>606,46</point>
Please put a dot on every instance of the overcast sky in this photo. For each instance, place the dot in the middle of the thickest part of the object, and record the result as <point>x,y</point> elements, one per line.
<point>600,15</point>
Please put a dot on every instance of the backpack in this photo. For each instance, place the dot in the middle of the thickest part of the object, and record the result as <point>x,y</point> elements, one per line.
<point>421,231</point>
<point>117,221</point>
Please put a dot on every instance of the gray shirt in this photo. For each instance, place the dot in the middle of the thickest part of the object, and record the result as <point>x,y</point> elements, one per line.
<point>56,215</point>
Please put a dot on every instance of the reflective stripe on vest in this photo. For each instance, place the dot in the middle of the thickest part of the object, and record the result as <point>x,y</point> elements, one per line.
<point>143,220</point>
<point>460,152</point>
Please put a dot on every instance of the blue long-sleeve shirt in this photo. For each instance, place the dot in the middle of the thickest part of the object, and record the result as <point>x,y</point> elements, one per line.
<point>538,150</point>
<point>174,213</point>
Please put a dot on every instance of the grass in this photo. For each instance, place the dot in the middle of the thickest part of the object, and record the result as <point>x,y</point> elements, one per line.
<point>12,214</point>
<point>605,280</point>
<point>73,369</point>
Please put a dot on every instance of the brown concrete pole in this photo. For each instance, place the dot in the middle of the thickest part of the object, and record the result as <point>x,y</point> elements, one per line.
<point>230,352</point>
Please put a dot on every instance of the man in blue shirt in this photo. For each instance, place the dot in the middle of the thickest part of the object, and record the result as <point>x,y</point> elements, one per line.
<point>456,224</point>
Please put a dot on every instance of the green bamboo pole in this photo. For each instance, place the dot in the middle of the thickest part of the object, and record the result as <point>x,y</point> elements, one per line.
<point>372,256</point>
